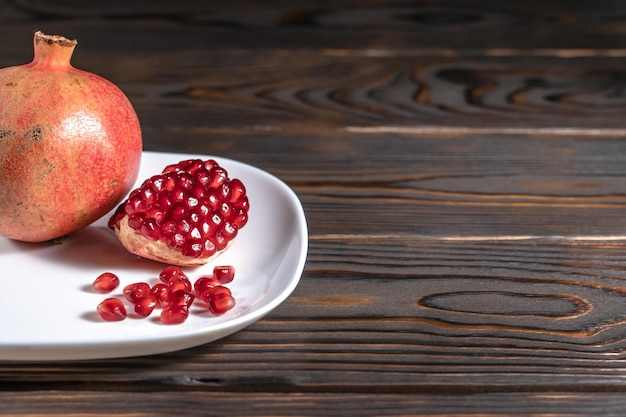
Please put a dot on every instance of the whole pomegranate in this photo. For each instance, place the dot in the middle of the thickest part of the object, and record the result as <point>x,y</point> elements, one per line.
<point>70,145</point>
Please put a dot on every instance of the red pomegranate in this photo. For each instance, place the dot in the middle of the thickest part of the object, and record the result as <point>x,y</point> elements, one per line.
<point>187,215</point>
<point>70,145</point>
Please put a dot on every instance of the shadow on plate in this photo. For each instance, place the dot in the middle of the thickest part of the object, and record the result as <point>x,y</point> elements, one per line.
<point>92,247</point>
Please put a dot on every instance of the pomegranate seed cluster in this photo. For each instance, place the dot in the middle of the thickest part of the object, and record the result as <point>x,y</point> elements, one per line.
<point>174,294</point>
<point>192,206</point>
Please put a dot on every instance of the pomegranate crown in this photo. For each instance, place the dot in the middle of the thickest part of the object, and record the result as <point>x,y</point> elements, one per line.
<point>54,39</point>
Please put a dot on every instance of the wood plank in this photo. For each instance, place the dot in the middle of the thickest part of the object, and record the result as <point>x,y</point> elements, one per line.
<point>285,404</point>
<point>463,187</point>
<point>305,404</point>
<point>382,25</point>
<point>291,93</point>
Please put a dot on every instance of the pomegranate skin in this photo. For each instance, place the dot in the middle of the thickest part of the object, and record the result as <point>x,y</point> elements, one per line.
<point>70,145</point>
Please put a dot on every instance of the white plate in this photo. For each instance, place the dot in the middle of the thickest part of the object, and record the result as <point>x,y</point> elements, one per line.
<point>47,309</point>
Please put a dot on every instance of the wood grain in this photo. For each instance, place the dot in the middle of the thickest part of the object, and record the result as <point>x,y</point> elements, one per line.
<point>461,167</point>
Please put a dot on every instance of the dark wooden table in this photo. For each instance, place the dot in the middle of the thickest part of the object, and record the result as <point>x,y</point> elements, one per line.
<point>462,167</point>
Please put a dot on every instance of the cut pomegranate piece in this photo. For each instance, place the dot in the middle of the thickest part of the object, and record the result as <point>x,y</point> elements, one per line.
<point>112,309</point>
<point>186,215</point>
<point>135,292</point>
<point>174,314</point>
<point>224,274</point>
<point>106,282</point>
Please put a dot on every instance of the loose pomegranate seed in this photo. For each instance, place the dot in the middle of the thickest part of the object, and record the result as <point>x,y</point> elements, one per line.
<point>161,292</point>
<point>220,300</point>
<point>211,292</point>
<point>204,284</point>
<point>106,282</point>
<point>174,314</point>
<point>180,284</point>
<point>144,306</point>
<point>182,298</point>
<point>112,309</point>
<point>224,274</point>
<point>172,272</point>
<point>135,292</point>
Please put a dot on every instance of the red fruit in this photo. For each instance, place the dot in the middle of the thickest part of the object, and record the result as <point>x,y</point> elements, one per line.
<point>220,300</point>
<point>182,298</point>
<point>106,282</point>
<point>144,306</point>
<point>204,284</point>
<point>135,292</point>
<point>161,292</point>
<point>186,215</point>
<point>174,314</point>
<point>172,272</point>
<point>70,145</point>
<point>180,285</point>
<point>224,274</point>
<point>112,309</point>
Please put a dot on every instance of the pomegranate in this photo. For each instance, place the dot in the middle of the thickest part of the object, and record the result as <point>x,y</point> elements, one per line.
<point>174,314</point>
<point>135,292</point>
<point>187,215</point>
<point>106,282</point>
<point>220,300</point>
<point>112,309</point>
<point>70,145</point>
<point>161,292</point>
<point>145,306</point>
<point>224,274</point>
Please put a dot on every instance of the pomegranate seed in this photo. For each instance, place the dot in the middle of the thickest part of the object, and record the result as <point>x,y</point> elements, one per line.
<point>208,248</point>
<point>240,218</point>
<point>161,292</point>
<point>144,306</point>
<point>176,241</point>
<point>224,274</point>
<point>172,272</point>
<point>174,314</point>
<point>204,284</point>
<point>136,220</point>
<point>150,229</point>
<point>155,183</point>
<point>106,282</point>
<point>237,190</point>
<point>170,181</point>
<point>192,249</point>
<point>226,210</point>
<point>218,176</point>
<point>220,301</point>
<point>211,292</point>
<point>220,241</point>
<point>112,309</point>
<point>179,284</point>
<point>229,231</point>
<point>135,292</point>
<point>135,203</point>
<point>114,221</point>
<point>182,298</point>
